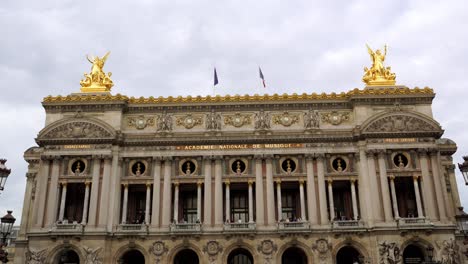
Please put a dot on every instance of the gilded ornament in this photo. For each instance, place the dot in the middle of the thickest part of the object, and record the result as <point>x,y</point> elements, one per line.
<point>140,122</point>
<point>237,120</point>
<point>97,80</point>
<point>286,119</point>
<point>189,121</point>
<point>335,118</point>
<point>378,74</point>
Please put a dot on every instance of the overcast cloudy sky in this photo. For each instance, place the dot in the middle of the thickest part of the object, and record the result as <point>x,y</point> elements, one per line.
<point>162,48</point>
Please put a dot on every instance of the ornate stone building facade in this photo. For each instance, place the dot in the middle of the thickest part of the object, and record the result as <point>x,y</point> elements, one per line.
<point>356,177</point>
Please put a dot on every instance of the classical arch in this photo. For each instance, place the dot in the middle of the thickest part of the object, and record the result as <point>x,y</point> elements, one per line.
<point>76,128</point>
<point>186,256</point>
<point>184,246</point>
<point>239,247</point>
<point>409,123</point>
<point>123,252</point>
<point>65,254</point>
<point>414,249</point>
<point>132,256</point>
<point>348,247</point>
<point>301,247</point>
<point>240,256</point>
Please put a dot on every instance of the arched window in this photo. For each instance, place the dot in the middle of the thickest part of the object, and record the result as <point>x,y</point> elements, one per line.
<point>67,257</point>
<point>240,256</point>
<point>348,255</point>
<point>186,256</point>
<point>413,255</point>
<point>294,255</point>
<point>132,257</point>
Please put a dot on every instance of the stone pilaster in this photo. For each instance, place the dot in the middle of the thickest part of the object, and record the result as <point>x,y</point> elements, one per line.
<point>311,194</point>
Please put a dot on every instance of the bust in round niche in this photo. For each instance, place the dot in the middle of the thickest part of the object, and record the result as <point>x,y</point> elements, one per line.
<point>138,168</point>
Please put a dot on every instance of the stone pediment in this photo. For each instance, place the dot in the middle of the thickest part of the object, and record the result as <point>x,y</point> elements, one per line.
<point>77,129</point>
<point>400,122</point>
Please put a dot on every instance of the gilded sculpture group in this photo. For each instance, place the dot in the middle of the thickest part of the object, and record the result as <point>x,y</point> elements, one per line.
<point>98,81</point>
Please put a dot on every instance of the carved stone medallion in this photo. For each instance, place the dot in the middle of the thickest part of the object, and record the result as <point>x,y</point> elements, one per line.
<point>189,121</point>
<point>286,119</point>
<point>335,118</point>
<point>158,248</point>
<point>267,247</point>
<point>212,248</point>
<point>323,248</point>
<point>140,122</point>
<point>237,120</point>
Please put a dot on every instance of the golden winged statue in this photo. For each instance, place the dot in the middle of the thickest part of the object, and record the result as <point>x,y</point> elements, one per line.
<point>378,74</point>
<point>97,80</point>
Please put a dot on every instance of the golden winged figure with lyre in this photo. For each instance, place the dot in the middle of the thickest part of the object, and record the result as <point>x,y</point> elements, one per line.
<point>97,80</point>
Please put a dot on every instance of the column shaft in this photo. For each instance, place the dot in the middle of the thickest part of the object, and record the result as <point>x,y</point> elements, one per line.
<point>40,199</point>
<point>93,201</point>
<point>115,191</point>
<point>259,205</point>
<point>375,195</point>
<point>438,183</point>
<point>167,202</point>
<point>311,196</point>
<point>156,192</point>
<point>176,202</point>
<point>418,197</point>
<point>354,200</point>
<point>384,187</point>
<point>251,220</point>
<point>148,204</point>
<point>124,204</point>
<point>302,197</point>
<point>278,197</point>
<point>270,192</point>
<point>199,201</point>
<point>428,191</point>
<point>394,199</point>
<point>218,193</point>
<point>104,201</point>
<point>53,195</point>
<point>207,202</point>
<point>62,202</point>
<point>228,204</point>
<point>322,192</point>
<point>85,204</point>
<point>330,200</point>
<point>364,189</point>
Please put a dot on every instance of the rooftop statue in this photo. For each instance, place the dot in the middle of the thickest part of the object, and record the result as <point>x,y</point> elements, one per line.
<point>97,80</point>
<point>378,74</point>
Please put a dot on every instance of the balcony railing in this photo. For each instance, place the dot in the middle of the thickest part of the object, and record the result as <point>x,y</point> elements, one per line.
<point>300,225</point>
<point>414,222</point>
<point>239,227</point>
<point>185,227</point>
<point>128,228</point>
<point>347,224</point>
<point>66,227</point>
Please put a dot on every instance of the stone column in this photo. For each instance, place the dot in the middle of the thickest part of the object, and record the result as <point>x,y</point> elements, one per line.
<point>270,192</point>
<point>85,204</point>
<point>115,190</point>
<point>394,199</point>
<point>418,197</point>
<point>156,192</point>
<point>364,188</point>
<point>259,205</point>
<point>428,191</point>
<point>302,197</point>
<point>199,200</point>
<point>167,202</point>
<point>321,189</point>
<point>251,220</point>
<point>28,198</point>
<point>438,186</point>
<point>53,193</point>
<point>228,202</point>
<point>384,187</point>
<point>375,195</point>
<point>104,201</point>
<point>176,202</point>
<point>207,202</point>
<point>330,200</point>
<point>278,197</point>
<point>40,199</point>
<point>311,196</point>
<point>124,203</point>
<point>218,192</point>
<point>354,200</point>
<point>62,202</point>
<point>147,204</point>
<point>93,201</point>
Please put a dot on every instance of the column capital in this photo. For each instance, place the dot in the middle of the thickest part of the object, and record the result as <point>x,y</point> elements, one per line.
<point>370,153</point>
<point>278,182</point>
<point>451,167</point>
<point>301,181</point>
<point>433,151</point>
<point>208,157</point>
<point>353,181</point>
<point>320,156</point>
<point>157,158</point>
<point>227,182</point>
<point>382,153</point>
<point>64,183</point>
<point>250,182</point>
<point>415,177</point>
<point>422,151</point>
<point>167,158</point>
<point>309,157</point>
<point>330,181</point>
<point>392,178</point>
<point>269,157</point>
<point>176,183</point>
<point>148,185</point>
<point>258,157</point>
<point>199,183</point>
<point>125,184</point>
<point>87,183</point>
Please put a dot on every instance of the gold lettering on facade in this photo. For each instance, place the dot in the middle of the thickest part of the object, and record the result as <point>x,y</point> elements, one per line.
<point>77,146</point>
<point>399,140</point>
<point>240,146</point>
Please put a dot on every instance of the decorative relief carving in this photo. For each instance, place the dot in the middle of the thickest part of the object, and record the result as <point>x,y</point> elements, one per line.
<point>213,121</point>
<point>158,249</point>
<point>399,123</point>
<point>140,122</point>
<point>286,119</point>
<point>323,248</point>
<point>189,121</point>
<point>262,120</point>
<point>81,129</point>
<point>311,119</point>
<point>164,123</point>
<point>92,256</point>
<point>389,253</point>
<point>449,252</point>
<point>213,248</point>
<point>36,257</point>
<point>237,120</point>
<point>267,248</point>
<point>335,118</point>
